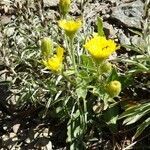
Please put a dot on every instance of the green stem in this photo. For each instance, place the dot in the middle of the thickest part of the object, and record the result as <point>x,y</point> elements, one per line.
<point>85,113</point>
<point>67,78</point>
<point>73,55</point>
<point>98,69</point>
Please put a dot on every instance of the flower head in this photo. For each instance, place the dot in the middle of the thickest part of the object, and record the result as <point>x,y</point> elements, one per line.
<point>100,48</point>
<point>64,6</point>
<point>113,88</point>
<point>55,63</point>
<point>70,26</point>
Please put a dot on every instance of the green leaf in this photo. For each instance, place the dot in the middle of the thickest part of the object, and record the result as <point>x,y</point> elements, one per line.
<point>77,131</point>
<point>132,47</point>
<point>142,127</point>
<point>113,75</point>
<point>81,92</point>
<point>87,62</point>
<point>126,80</point>
<point>134,118</point>
<point>136,32</point>
<point>132,111</point>
<point>69,131</point>
<point>100,27</point>
<point>111,116</point>
<point>135,113</point>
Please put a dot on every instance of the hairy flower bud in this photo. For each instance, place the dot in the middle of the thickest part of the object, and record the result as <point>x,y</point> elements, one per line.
<point>113,88</point>
<point>106,67</point>
<point>46,47</point>
<point>64,6</point>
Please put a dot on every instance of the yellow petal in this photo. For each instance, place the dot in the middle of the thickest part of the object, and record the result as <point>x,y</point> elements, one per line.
<point>100,48</point>
<point>60,52</point>
<point>70,26</point>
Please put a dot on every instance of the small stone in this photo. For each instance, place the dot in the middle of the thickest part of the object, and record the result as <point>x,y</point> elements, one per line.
<point>5,20</point>
<point>36,135</point>
<point>5,128</point>
<point>45,132</point>
<point>12,135</point>
<point>49,146</point>
<point>5,137</point>
<point>28,140</point>
<point>16,128</point>
<point>106,16</point>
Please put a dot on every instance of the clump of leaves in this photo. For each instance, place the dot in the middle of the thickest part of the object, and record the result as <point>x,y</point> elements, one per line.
<point>140,63</point>
<point>90,79</point>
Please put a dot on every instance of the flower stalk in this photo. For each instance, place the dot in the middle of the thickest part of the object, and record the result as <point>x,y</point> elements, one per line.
<point>73,55</point>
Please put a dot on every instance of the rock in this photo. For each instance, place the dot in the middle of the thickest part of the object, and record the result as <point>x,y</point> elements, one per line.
<point>5,137</point>
<point>137,40</point>
<point>75,10</point>
<point>13,136</point>
<point>16,128</point>
<point>49,146</point>
<point>9,31</point>
<point>129,14</point>
<point>109,30</point>
<point>50,14</point>
<point>5,20</point>
<point>46,132</point>
<point>28,140</point>
<point>50,3</point>
<point>95,9</point>
<point>124,40</point>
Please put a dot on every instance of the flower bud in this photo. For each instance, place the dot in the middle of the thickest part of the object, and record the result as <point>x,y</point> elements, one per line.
<point>46,47</point>
<point>106,67</point>
<point>64,6</point>
<point>113,88</point>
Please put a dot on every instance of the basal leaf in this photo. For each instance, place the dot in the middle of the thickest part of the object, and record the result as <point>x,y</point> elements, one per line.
<point>142,127</point>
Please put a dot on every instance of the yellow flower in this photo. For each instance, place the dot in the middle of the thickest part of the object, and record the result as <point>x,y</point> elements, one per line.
<point>70,26</point>
<point>55,63</point>
<point>113,88</point>
<point>64,6</point>
<point>100,48</point>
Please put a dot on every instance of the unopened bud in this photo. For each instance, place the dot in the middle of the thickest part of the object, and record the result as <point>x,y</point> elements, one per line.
<point>106,67</point>
<point>64,6</point>
<point>46,46</point>
<point>113,88</point>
